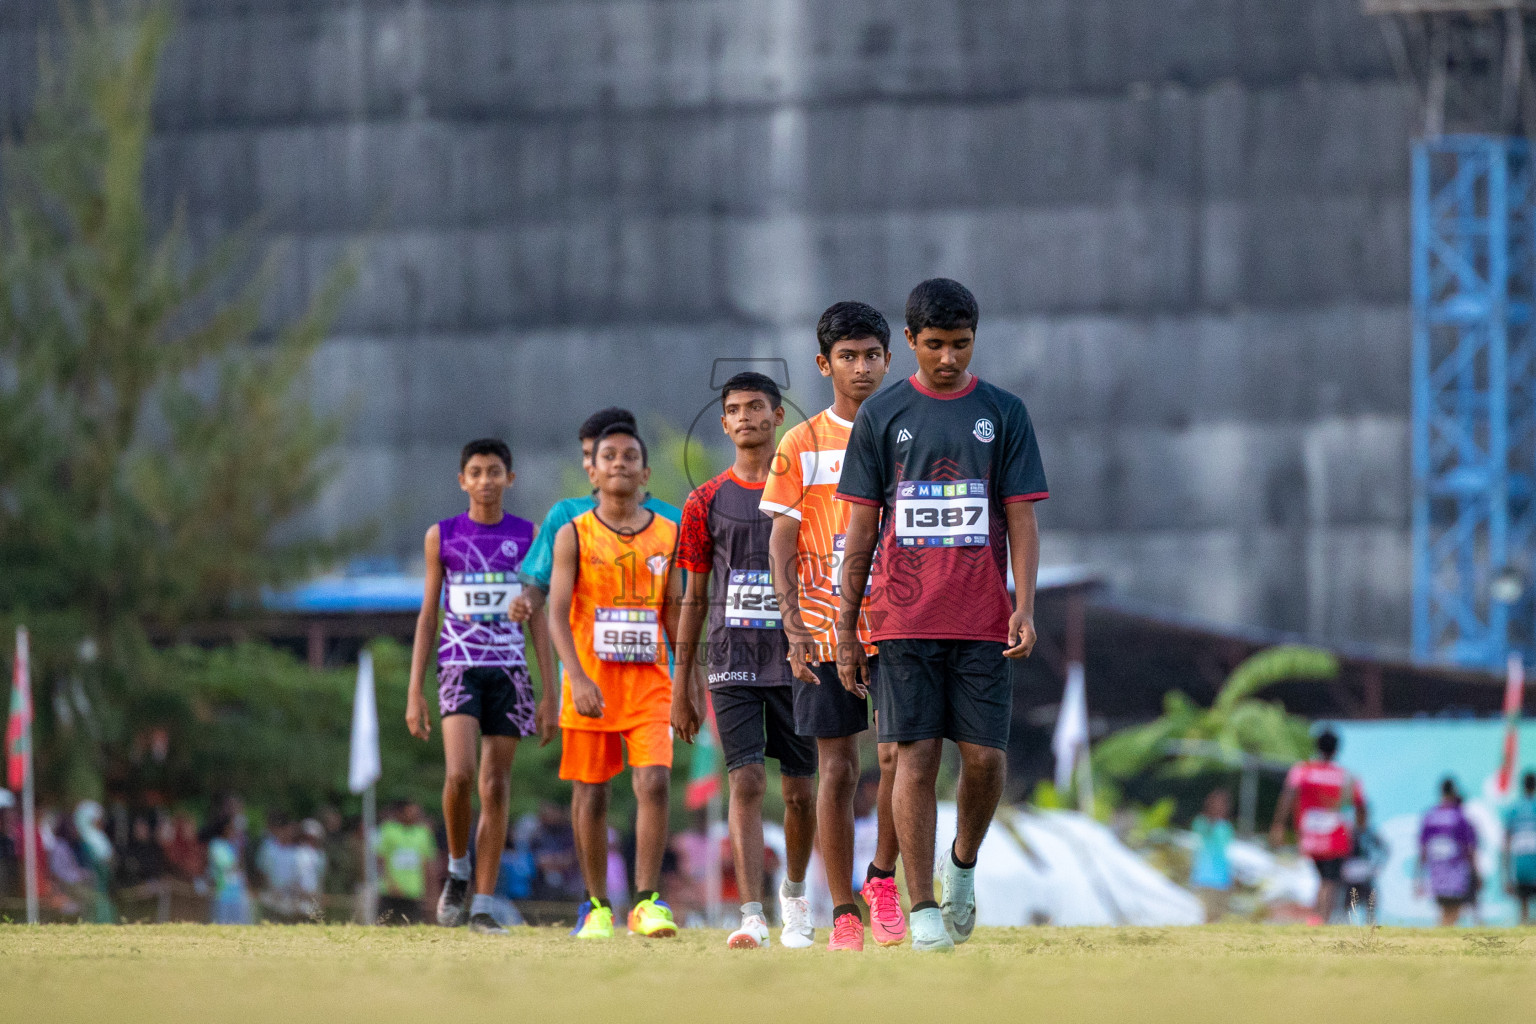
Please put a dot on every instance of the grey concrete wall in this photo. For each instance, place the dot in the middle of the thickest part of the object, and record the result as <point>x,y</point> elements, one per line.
<point>1186,222</point>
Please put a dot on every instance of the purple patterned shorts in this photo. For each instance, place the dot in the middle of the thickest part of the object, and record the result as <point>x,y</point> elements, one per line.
<point>499,696</point>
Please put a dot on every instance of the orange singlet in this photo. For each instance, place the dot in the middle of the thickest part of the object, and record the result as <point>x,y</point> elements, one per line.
<point>616,604</point>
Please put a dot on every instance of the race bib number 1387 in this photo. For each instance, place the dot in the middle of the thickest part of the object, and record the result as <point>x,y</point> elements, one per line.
<point>951,513</point>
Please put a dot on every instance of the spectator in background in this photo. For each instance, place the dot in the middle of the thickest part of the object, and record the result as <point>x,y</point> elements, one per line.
<point>406,847</point>
<point>231,899</point>
<point>554,851</point>
<point>1519,860</point>
<point>96,857</point>
<point>183,854</point>
<point>1211,873</point>
<point>1447,855</point>
<point>1314,800</point>
<point>308,871</point>
<point>10,846</point>
<point>1359,872</point>
<point>866,824</point>
<point>515,879</point>
<point>618,871</point>
<point>142,862</point>
<point>276,862</point>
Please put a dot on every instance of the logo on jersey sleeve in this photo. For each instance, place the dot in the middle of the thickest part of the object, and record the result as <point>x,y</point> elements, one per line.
<point>657,564</point>
<point>903,436</point>
<point>984,430</point>
<point>823,467</point>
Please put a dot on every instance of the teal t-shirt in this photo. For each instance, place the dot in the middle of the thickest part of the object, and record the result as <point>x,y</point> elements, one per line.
<point>1520,827</point>
<point>539,563</point>
<point>1211,868</point>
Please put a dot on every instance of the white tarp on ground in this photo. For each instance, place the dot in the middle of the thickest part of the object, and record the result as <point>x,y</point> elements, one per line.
<point>1047,867</point>
<point>1064,868</point>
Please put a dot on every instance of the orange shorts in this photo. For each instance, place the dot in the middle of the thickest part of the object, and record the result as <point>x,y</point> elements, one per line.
<point>587,755</point>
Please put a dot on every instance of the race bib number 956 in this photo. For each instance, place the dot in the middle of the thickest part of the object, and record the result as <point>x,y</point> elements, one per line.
<point>625,634</point>
<point>482,596</point>
<point>942,514</point>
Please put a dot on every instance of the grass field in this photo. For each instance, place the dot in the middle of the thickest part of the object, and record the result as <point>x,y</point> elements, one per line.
<point>337,974</point>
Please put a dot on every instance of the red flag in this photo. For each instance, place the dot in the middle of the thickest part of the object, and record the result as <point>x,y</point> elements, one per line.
<point>704,772</point>
<point>18,730</point>
<point>1514,697</point>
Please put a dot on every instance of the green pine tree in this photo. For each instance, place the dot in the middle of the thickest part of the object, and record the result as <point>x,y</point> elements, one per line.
<point>156,436</point>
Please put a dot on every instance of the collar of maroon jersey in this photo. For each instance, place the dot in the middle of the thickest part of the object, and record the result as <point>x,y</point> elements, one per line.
<point>944,396</point>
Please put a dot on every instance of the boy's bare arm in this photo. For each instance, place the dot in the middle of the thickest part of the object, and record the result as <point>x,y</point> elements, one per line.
<point>418,718</point>
<point>585,696</point>
<point>784,550</point>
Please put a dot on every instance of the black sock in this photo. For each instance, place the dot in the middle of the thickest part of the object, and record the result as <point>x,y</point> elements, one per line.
<point>925,905</point>
<point>875,872</point>
<point>847,908</point>
<point>958,862</point>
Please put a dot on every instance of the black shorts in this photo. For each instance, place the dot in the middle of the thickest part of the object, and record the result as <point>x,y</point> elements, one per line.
<point>1330,869</point>
<point>827,711</point>
<point>959,690</point>
<point>1525,890</point>
<point>500,697</point>
<point>756,722</point>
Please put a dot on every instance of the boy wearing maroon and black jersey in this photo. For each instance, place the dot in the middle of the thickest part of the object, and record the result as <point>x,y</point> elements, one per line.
<point>943,469</point>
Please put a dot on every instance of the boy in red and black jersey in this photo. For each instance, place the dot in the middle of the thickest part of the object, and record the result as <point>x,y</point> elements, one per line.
<point>725,540</point>
<point>944,470</point>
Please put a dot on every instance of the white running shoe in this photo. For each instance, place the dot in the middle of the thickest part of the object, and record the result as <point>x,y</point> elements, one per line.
<point>795,912</point>
<point>957,903</point>
<point>753,934</point>
<point>928,931</point>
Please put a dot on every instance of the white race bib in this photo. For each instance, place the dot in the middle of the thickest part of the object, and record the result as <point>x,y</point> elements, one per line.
<point>949,514</point>
<point>1320,822</point>
<point>405,860</point>
<point>1442,848</point>
<point>482,596</point>
<point>1522,842</point>
<point>625,634</point>
<point>750,602</point>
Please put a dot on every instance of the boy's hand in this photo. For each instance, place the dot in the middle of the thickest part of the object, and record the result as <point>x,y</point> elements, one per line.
<point>802,655</point>
<point>417,719</point>
<point>853,667</point>
<point>585,696</point>
<point>546,719</point>
<point>1021,636</point>
<point>521,609</point>
<point>686,717</point>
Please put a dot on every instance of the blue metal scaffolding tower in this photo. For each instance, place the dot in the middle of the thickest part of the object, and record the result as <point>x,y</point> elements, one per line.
<point>1474,399</point>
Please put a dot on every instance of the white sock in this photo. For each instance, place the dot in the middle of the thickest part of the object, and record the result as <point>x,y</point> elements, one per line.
<point>458,867</point>
<point>793,890</point>
<point>482,904</point>
<point>751,910</point>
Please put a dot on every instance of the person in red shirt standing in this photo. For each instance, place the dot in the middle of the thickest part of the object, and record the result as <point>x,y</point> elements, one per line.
<point>1314,799</point>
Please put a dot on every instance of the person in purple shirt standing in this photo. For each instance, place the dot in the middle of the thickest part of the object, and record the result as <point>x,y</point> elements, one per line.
<point>1448,855</point>
<point>483,688</point>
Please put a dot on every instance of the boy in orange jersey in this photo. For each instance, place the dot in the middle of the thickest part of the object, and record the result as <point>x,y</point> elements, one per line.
<point>613,591</point>
<point>806,545</point>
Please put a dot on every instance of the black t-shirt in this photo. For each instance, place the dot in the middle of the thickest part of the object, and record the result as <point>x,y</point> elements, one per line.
<point>941,466</point>
<point>724,533</point>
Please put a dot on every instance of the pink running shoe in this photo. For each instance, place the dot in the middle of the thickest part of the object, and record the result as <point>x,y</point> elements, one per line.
<point>847,933</point>
<point>885,917</point>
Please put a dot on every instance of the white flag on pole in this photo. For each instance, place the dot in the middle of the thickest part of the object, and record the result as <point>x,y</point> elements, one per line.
<point>1071,726</point>
<point>365,769</point>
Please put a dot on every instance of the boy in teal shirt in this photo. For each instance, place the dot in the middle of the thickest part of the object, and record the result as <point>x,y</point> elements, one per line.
<point>1520,847</point>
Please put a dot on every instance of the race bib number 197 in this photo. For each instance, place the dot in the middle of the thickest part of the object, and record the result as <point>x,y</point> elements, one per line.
<point>625,634</point>
<point>482,596</point>
<point>942,514</point>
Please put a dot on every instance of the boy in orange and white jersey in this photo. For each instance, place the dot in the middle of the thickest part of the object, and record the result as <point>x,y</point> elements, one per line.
<point>806,545</point>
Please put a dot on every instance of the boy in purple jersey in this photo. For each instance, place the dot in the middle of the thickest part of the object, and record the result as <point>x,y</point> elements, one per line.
<point>482,672</point>
<point>943,469</point>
